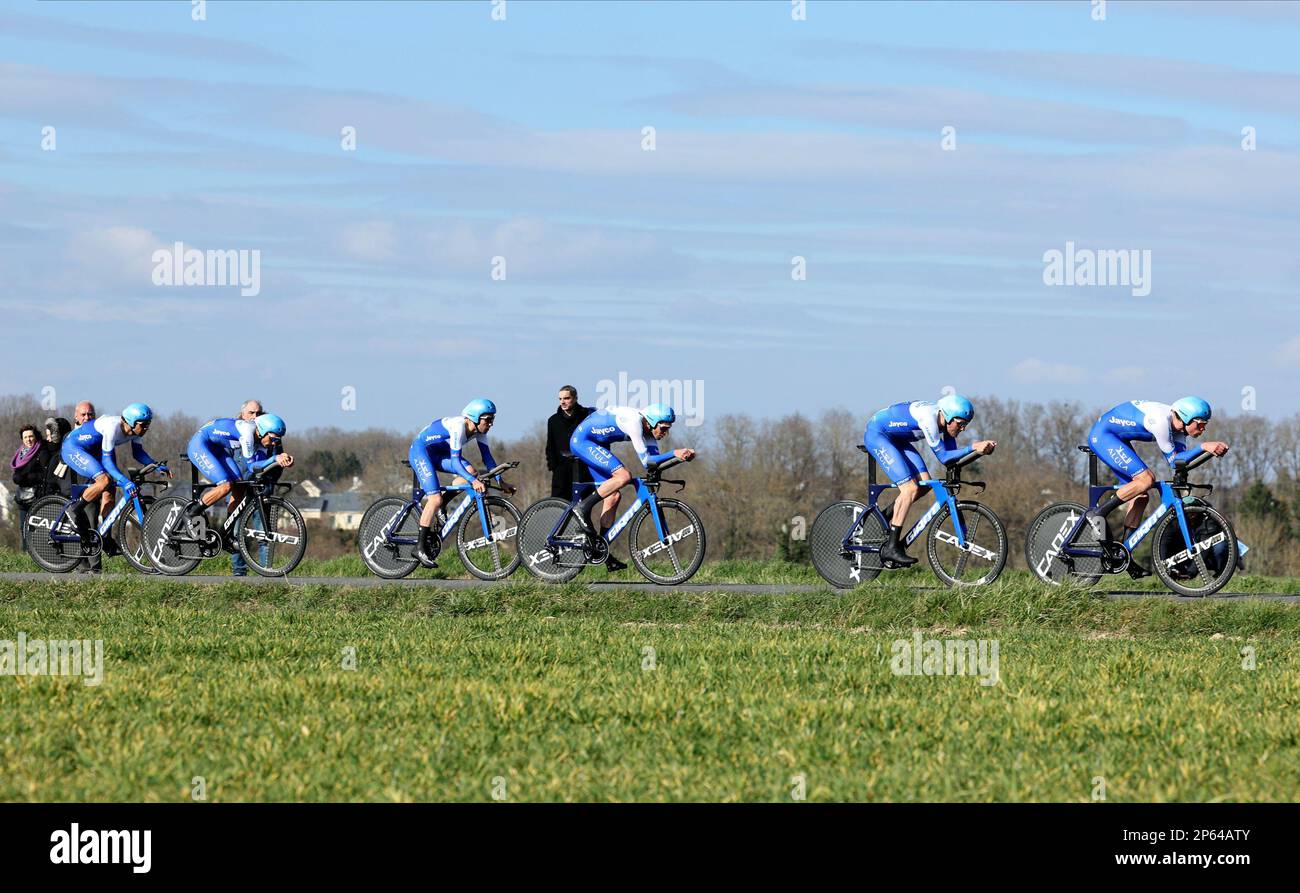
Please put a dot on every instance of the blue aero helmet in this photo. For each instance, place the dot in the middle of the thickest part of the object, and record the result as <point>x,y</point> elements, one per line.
<point>270,423</point>
<point>658,413</point>
<point>136,413</point>
<point>1191,408</point>
<point>955,406</point>
<point>479,407</point>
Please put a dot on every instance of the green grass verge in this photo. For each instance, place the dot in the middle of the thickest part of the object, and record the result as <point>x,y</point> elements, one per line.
<point>554,690</point>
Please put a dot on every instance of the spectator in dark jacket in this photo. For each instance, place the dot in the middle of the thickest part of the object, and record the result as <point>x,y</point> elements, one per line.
<point>29,472</point>
<point>58,477</point>
<point>559,428</point>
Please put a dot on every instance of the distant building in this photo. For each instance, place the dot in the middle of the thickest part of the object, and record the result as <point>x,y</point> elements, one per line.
<point>319,500</point>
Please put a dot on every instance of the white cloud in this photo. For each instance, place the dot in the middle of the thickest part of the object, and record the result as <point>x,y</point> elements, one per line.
<point>1127,375</point>
<point>1289,353</point>
<point>122,253</point>
<point>374,240</point>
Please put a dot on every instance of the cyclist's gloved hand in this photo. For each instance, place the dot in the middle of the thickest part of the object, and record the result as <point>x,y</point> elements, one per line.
<point>164,469</point>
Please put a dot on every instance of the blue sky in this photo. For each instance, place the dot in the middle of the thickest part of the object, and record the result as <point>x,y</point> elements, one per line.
<point>522,139</point>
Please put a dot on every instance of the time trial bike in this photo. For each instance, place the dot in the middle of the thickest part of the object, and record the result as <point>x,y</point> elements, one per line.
<point>967,545</point>
<point>266,529</point>
<point>667,536</point>
<point>486,526</point>
<point>1194,550</point>
<point>53,540</point>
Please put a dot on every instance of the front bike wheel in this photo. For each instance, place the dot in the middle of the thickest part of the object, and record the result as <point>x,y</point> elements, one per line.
<point>552,564</point>
<point>129,533</point>
<point>1046,539</point>
<point>1199,569</point>
<point>494,556</point>
<point>165,518</point>
<point>826,544</point>
<point>55,557</point>
<point>392,561</point>
<point>986,549</point>
<point>676,557</point>
<point>272,536</point>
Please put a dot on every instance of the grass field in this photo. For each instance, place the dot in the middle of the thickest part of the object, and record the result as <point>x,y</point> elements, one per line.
<point>562,693</point>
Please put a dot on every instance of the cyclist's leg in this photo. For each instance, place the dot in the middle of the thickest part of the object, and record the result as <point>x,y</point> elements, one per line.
<point>88,466</point>
<point>609,475</point>
<point>212,469</point>
<point>425,462</point>
<point>900,462</point>
<point>1134,477</point>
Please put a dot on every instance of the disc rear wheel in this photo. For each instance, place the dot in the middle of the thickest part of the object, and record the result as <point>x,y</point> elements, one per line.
<point>826,544</point>
<point>1046,540</point>
<point>164,525</point>
<point>550,563</point>
<point>389,560</point>
<point>55,557</point>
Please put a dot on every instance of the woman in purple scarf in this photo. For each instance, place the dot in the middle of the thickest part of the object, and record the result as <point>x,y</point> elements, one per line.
<point>29,474</point>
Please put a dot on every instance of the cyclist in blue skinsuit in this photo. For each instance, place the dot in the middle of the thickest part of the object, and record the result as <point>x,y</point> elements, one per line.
<point>438,448</point>
<point>890,437</point>
<point>1164,424</point>
<point>590,442</point>
<point>88,450</point>
<point>218,448</point>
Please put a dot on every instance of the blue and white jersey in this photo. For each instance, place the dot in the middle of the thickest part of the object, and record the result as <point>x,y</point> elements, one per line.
<point>618,424</point>
<point>918,420</point>
<point>104,435</point>
<point>445,438</point>
<point>236,438</point>
<point>1148,421</point>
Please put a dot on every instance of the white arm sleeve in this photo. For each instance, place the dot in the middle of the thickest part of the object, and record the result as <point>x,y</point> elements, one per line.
<point>455,433</point>
<point>109,427</point>
<point>247,437</point>
<point>927,416</point>
<point>629,422</point>
<point>1156,420</point>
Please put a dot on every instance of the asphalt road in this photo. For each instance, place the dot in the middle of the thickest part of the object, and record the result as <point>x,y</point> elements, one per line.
<point>643,587</point>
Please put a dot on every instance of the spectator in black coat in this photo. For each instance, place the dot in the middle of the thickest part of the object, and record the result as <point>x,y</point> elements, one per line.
<point>28,474</point>
<point>58,477</point>
<point>559,428</point>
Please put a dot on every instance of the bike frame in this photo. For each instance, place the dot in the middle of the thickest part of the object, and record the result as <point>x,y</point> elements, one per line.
<point>105,525</point>
<point>473,497</point>
<point>644,496</point>
<point>942,497</point>
<point>1168,499</point>
<point>257,490</point>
